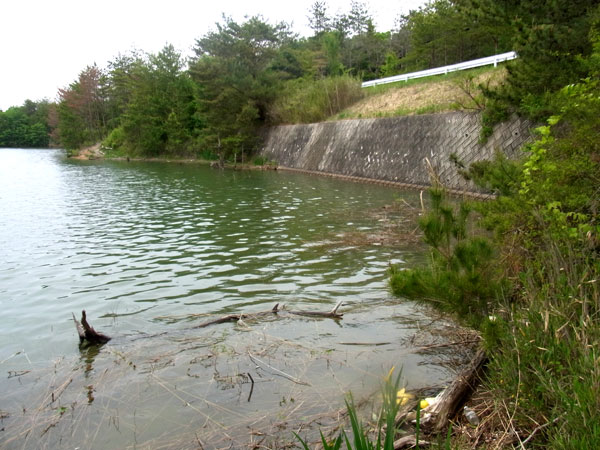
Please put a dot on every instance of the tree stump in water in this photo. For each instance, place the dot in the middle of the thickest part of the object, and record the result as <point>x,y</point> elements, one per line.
<point>87,333</point>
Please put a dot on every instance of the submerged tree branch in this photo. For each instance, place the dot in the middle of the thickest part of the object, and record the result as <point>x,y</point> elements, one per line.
<point>333,314</point>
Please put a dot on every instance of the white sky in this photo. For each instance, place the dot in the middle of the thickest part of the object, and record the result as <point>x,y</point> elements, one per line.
<point>44,44</point>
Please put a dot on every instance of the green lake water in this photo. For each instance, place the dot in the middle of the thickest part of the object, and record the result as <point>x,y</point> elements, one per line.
<point>150,250</point>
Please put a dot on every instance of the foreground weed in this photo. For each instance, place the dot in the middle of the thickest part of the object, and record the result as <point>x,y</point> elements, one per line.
<point>386,430</point>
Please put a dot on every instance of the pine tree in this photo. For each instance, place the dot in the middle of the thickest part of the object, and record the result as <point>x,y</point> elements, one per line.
<point>551,39</point>
<point>318,19</point>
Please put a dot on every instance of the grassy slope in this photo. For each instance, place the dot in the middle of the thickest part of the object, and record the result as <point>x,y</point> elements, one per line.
<point>455,91</point>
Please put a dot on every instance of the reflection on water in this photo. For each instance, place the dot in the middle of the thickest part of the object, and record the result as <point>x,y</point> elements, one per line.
<point>150,250</point>
<point>88,356</point>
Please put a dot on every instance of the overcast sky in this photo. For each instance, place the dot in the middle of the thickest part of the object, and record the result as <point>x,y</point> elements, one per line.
<point>44,44</point>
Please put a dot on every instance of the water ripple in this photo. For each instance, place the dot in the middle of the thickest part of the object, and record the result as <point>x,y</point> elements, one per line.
<point>109,236</point>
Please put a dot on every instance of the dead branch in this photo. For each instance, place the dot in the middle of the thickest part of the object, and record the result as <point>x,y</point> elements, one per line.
<point>374,344</point>
<point>251,387</point>
<point>87,333</point>
<point>55,394</point>
<point>80,330</point>
<point>541,427</point>
<point>276,371</point>
<point>333,314</point>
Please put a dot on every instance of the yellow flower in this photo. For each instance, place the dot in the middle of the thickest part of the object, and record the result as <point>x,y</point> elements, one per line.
<point>388,377</point>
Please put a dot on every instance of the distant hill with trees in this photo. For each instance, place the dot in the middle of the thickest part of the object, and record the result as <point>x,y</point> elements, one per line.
<point>26,126</point>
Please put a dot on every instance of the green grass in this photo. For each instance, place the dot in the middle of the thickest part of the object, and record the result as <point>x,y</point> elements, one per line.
<point>360,434</point>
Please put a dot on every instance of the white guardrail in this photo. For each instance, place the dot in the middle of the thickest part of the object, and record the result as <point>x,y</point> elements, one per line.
<point>446,69</point>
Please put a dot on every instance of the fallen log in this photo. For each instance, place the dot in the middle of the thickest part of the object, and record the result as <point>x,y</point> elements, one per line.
<point>333,314</point>
<point>436,418</point>
<point>87,333</point>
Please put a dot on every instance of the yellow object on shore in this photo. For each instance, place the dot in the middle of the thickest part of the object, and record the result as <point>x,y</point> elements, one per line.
<point>402,397</point>
<point>430,401</point>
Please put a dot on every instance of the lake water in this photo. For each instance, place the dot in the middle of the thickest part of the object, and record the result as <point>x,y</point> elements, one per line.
<point>150,250</point>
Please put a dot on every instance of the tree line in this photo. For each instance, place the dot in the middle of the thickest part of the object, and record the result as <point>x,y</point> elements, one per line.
<point>524,272</point>
<point>243,76</point>
<point>26,126</point>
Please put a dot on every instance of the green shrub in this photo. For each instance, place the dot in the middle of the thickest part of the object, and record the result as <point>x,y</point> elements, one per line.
<point>462,275</point>
<point>115,139</point>
<point>260,161</point>
<point>206,154</point>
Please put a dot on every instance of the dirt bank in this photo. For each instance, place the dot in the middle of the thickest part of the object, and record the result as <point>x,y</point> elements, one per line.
<point>92,152</point>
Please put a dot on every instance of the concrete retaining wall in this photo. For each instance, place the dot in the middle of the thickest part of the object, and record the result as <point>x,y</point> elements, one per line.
<point>393,149</point>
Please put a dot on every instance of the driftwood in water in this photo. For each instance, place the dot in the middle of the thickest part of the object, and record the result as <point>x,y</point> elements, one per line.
<point>87,333</point>
<point>237,317</point>
<point>333,314</point>
<point>454,395</point>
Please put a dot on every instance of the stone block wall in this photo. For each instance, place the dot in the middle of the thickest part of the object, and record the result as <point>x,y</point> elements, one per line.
<point>394,149</point>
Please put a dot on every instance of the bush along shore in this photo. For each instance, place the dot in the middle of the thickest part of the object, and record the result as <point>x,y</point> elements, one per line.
<point>525,273</point>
